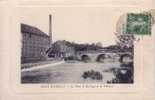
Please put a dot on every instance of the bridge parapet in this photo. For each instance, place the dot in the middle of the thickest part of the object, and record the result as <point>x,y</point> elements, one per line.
<point>94,56</point>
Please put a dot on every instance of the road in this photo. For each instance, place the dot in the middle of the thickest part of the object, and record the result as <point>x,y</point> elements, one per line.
<point>69,72</point>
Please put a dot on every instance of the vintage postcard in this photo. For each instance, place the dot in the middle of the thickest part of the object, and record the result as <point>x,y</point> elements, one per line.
<point>72,49</point>
<point>80,45</point>
<point>83,47</point>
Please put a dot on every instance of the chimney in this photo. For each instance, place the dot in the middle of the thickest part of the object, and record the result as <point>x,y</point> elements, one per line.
<point>50,28</point>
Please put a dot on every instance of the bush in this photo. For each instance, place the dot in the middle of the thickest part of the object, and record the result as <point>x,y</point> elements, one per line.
<point>123,75</point>
<point>95,75</point>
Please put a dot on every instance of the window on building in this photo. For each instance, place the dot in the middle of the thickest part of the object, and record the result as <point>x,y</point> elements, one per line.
<point>30,35</point>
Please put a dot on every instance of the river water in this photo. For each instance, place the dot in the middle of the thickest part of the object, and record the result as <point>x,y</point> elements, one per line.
<point>70,72</point>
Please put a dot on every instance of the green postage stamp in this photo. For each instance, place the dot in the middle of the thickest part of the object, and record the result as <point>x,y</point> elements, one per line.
<point>139,24</point>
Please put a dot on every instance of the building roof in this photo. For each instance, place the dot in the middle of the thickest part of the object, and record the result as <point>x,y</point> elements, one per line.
<point>32,30</point>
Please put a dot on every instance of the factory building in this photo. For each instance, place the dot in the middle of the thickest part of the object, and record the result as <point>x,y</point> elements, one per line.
<point>34,44</point>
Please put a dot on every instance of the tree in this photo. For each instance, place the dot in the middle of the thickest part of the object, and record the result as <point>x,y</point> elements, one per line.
<point>125,40</point>
<point>99,44</point>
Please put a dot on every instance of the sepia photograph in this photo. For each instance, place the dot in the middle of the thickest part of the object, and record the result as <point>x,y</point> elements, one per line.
<point>80,45</point>
<point>77,49</point>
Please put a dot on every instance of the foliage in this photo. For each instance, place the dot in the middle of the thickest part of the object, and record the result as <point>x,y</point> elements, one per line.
<point>95,75</point>
<point>123,74</point>
<point>63,45</point>
<point>125,41</point>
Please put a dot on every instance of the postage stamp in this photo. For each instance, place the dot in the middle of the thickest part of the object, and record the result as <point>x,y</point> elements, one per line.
<point>139,24</point>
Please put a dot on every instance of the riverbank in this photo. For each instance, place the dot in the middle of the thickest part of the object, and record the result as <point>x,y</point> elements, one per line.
<point>39,65</point>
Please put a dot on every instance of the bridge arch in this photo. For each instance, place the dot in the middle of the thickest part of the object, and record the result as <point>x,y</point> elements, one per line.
<point>126,58</point>
<point>100,58</point>
<point>85,58</point>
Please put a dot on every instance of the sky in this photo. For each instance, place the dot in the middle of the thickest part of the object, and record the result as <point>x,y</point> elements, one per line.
<point>77,24</point>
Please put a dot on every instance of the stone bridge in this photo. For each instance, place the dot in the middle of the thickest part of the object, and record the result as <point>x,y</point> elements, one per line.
<point>101,55</point>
